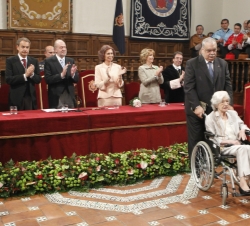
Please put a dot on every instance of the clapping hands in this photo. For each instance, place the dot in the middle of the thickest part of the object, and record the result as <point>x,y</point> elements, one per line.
<point>30,70</point>
<point>73,70</point>
<point>158,71</point>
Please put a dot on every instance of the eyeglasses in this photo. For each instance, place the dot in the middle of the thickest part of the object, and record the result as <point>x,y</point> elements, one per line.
<point>224,23</point>
<point>210,50</point>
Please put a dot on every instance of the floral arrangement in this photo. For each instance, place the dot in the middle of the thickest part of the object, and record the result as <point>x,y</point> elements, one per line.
<point>92,171</point>
<point>136,102</point>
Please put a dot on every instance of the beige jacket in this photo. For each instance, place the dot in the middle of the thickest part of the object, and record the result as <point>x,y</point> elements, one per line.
<point>149,89</point>
<point>215,124</point>
<point>108,87</point>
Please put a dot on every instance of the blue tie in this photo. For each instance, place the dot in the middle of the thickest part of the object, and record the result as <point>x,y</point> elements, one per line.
<point>62,62</point>
<point>210,69</point>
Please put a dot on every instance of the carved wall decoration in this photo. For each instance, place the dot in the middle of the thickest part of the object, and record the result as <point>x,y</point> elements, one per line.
<point>41,15</point>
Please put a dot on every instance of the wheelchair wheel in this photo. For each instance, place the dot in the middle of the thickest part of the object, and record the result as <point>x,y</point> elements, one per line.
<point>202,165</point>
<point>224,194</point>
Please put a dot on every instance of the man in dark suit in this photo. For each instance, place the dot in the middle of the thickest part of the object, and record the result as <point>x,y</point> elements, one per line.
<point>60,75</point>
<point>22,73</point>
<point>204,75</point>
<point>173,80</point>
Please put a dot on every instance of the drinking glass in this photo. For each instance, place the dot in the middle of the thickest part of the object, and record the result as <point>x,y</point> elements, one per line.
<point>15,110</point>
<point>11,110</point>
<point>162,103</point>
<point>65,108</point>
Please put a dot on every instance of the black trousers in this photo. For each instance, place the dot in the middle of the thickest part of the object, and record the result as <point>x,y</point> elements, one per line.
<point>196,128</point>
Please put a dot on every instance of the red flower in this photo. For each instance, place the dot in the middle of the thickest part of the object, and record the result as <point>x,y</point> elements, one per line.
<point>97,159</point>
<point>78,161</point>
<point>39,177</point>
<point>138,166</point>
<point>170,160</point>
<point>117,161</point>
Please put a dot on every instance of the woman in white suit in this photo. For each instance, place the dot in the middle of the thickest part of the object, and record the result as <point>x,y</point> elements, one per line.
<point>108,78</point>
<point>150,76</point>
<point>230,129</point>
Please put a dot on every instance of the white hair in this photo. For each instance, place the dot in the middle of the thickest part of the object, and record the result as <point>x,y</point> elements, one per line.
<point>208,40</point>
<point>218,97</point>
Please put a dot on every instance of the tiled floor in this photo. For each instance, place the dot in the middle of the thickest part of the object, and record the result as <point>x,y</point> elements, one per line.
<point>164,201</point>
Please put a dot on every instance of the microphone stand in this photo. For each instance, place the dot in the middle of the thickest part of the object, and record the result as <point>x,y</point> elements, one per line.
<point>78,103</point>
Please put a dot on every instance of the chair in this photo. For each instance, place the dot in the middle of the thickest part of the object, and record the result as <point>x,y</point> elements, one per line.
<point>42,93</point>
<point>247,104</point>
<point>131,91</point>
<point>4,97</point>
<point>87,90</point>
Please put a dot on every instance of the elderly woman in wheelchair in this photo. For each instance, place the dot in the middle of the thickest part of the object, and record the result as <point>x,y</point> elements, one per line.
<point>226,133</point>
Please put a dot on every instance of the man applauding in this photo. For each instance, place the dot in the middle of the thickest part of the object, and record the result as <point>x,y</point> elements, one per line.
<point>60,75</point>
<point>234,42</point>
<point>22,73</point>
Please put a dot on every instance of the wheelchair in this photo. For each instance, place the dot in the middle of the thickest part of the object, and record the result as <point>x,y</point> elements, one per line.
<point>205,158</point>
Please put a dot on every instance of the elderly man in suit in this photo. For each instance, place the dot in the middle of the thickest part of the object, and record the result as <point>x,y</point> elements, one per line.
<point>204,75</point>
<point>22,73</point>
<point>60,75</point>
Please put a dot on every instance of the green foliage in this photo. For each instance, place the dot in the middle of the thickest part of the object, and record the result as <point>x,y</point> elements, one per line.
<point>92,171</point>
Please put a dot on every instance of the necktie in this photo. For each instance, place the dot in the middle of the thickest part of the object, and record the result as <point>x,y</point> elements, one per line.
<point>24,63</point>
<point>210,69</point>
<point>179,71</point>
<point>62,62</point>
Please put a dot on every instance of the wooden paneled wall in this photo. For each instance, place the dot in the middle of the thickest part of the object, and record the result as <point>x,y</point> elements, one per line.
<point>83,48</point>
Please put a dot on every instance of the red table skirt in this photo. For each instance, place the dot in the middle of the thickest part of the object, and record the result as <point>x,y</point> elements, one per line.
<point>35,135</point>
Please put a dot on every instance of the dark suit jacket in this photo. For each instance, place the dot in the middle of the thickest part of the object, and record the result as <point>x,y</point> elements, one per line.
<point>172,95</point>
<point>14,77</point>
<point>56,85</point>
<point>198,85</point>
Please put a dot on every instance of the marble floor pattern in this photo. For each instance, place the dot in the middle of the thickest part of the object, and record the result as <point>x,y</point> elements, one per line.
<point>162,201</point>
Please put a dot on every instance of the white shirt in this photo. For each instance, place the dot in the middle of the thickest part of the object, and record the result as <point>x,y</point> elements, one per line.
<point>21,58</point>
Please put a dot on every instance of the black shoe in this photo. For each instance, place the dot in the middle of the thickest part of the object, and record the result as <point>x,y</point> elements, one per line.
<point>243,192</point>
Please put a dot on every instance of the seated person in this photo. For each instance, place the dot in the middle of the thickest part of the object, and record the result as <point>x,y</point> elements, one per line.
<point>195,41</point>
<point>173,80</point>
<point>221,36</point>
<point>230,129</point>
<point>210,34</point>
<point>245,28</point>
<point>234,42</point>
<point>246,40</point>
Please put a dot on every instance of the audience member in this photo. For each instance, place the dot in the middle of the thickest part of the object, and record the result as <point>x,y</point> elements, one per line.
<point>60,74</point>
<point>245,28</point>
<point>150,76</point>
<point>246,40</point>
<point>222,35</point>
<point>229,129</point>
<point>204,75</point>
<point>210,34</point>
<point>22,73</point>
<point>173,80</point>
<point>234,42</point>
<point>195,41</point>
<point>48,52</point>
<point>108,78</point>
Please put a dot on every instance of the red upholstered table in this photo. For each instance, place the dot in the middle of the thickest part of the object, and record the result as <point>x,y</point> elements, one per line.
<point>34,135</point>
